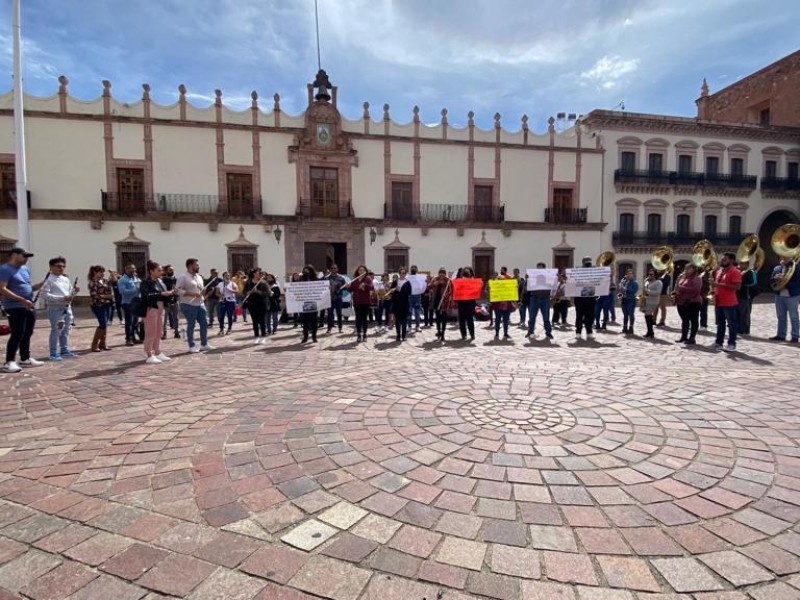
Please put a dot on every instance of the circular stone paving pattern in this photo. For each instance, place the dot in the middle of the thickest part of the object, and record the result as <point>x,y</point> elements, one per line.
<point>517,416</point>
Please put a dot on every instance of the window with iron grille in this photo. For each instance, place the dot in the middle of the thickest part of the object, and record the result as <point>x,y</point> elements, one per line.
<point>737,166</point>
<point>655,162</point>
<point>771,168</point>
<point>710,226</point>
<point>685,163</point>
<point>735,226</point>
<point>240,194</point>
<point>130,190</point>
<point>626,223</point>
<point>654,224</point>
<point>712,165</point>
<point>684,224</point>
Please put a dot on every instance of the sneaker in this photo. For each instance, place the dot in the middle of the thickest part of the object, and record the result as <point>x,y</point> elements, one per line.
<point>12,367</point>
<point>163,357</point>
<point>31,362</point>
<point>129,343</point>
<point>68,354</point>
<point>207,347</point>
<point>257,341</point>
<point>221,333</point>
<point>716,346</point>
<point>548,336</point>
<point>177,335</point>
<point>730,348</point>
<point>152,360</point>
<point>55,357</point>
<point>577,336</point>
<point>778,338</point>
<point>194,350</point>
<point>589,336</point>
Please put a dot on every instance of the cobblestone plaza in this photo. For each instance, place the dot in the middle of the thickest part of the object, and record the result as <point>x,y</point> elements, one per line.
<point>618,469</point>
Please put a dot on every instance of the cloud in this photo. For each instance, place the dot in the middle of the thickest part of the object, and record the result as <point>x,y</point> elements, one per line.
<point>609,70</point>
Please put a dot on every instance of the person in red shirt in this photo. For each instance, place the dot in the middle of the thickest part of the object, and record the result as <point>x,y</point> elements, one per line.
<point>727,282</point>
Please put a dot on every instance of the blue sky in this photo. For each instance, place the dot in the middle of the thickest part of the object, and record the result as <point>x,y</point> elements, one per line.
<point>535,57</point>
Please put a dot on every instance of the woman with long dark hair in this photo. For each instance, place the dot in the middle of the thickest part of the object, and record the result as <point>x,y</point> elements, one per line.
<point>102,299</point>
<point>155,297</point>
<point>309,319</point>
<point>273,304</point>
<point>401,292</point>
<point>652,295</point>
<point>466,310</point>
<point>361,290</point>
<point>689,301</point>
<point>256,292</point>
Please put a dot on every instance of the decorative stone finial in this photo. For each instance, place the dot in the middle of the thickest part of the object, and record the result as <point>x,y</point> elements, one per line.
<point>444,116</point>
<point>470,118</point>
<point>366,110</point>
<point>218,94</point>
<point>704,88</point>
<point>385,112</point>
<point>276,99</point>
<point>415,110</point>
<point>146,91</point>
<point>254,98</point>
<point>551,124</point>
<point>130,226</point>
<point>241,231</point>
<point>497,120</point>
<point>182,90</point>
<point>563,237</point>
<point>525,122</point>
<point>62,79</point>
<point>106,87</point>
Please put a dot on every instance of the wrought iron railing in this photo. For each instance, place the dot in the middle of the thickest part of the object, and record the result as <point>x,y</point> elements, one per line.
<point>398,212</point>
<point>176,203</point>
<point>565,215</point>
<point>745,182</point>
<point>187,203</point>
<point>674,238</point>
<point>688,178</point>
<point>457,213</point>
<point>780,183</point>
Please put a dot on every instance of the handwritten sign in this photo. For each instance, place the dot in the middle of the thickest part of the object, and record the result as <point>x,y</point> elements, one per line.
<point>503,290</point>
<point>418,284</point>
<point>541,279</point>
<point>467,289</point>
<point>587,282</point>
<point>307,296</point>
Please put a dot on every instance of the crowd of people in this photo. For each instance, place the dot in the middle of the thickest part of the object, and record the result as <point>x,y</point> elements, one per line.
<point>151,303</point>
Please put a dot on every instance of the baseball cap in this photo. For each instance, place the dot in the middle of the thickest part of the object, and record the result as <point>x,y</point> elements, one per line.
<point>22,251</point>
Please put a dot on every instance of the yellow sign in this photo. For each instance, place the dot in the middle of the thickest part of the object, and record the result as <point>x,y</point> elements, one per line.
<point>503,290</point>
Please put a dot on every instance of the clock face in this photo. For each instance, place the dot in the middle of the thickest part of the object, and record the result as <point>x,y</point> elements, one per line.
<point>323,134</point>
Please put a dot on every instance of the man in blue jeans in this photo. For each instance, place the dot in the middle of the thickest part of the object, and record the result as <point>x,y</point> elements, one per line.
<point>786,302</point>
<point>540,302</point>
<point>190,291</point>
<point>726,283</point>
<point>337,282</point>
<point>17,293</point>
<point>414,303</point>
<point>129,288</point>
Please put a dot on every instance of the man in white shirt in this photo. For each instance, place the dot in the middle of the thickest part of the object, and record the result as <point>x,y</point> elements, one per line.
<point>190,291</point>
<point>58,293</point>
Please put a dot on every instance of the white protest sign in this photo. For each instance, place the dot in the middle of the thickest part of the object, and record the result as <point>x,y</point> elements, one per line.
<point>541,279</point>
<point>587,282</point>
<point>307,296</point>
<point>418,284</point>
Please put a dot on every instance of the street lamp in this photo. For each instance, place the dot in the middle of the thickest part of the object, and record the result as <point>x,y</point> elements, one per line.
<point>373,235</point>
<point>278,233</point>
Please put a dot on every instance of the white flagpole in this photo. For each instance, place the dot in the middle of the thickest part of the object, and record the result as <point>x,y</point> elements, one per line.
<point>23,231</point>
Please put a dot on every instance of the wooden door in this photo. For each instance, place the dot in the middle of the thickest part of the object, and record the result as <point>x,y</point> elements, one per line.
<point>240,194</point>
<point>401,201</point>
<point>483,203</point>
<point>130,190</point>
<point>484,265</point>
<point>324,192</point>
<point>562,262</point>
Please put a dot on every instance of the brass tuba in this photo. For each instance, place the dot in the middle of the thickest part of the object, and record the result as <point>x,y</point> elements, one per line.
<point>663,259</point>
<point>606,259</point>
<point>704,257</point>
<point>785,243</point>
<point>750,251</point>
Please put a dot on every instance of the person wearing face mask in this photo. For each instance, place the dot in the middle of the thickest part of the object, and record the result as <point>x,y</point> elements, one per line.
<point>727,281</point>
<point>466,310</point>
<point>226,291</point>
<point>652,295</point>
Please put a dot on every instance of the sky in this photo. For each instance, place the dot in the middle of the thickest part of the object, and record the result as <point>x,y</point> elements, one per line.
<point>513,57</point>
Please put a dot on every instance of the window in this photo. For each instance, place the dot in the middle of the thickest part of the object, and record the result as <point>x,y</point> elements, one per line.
<point>655,162</point>
<point>771,168</point>
<point>562,205</point>
<point>653,224</point>
<point>628,161</point>
<point>240,194</point>
<point>626,223</point>
<point>241,261</point>
<point>324,192</point>
<point>737,167</point>
<point>402,208</point>
<point>483,203</point>
<point>684,163</point>
<point>8,186</point>
<point>395,259</point>
<point>792,171</point>
<point>130,190</point>
<point>684,224</point>
<point>735,226</point>
<point>710,226</point>
<point>763,117</point>
<point>712,165</point>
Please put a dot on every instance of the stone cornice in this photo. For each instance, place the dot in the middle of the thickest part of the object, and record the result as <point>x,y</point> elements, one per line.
<point>624,121</point>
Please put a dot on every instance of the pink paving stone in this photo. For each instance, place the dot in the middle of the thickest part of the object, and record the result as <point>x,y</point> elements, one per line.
<point>628,573</point>
<point>518,562</point>
<point>60,582</point>
<point>331,579</point>
<point>99,548</point>
<point>415,541</point>
<point>176,575</point>
<point>277,563</point>
<point>569,568</point>
<point>133,562</point>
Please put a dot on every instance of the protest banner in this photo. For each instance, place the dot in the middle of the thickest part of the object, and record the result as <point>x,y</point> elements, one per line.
<point>503,290</point>
<point>467,289</point>
<point>541,279</point>
<point>587,282</point>
<point>307,296</point>
<point>418,284</point>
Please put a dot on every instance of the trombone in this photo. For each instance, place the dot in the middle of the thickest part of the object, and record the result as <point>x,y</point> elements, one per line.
<point>785,242</point>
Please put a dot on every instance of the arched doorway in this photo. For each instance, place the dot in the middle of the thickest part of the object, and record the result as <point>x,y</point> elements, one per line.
<point>768,227</point>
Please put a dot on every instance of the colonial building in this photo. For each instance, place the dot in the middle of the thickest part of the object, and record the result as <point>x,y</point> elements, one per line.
<point>112,183</point>
<point>672,181</point>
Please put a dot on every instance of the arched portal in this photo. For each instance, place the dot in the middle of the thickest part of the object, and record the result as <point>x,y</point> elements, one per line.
<point>768,227</point>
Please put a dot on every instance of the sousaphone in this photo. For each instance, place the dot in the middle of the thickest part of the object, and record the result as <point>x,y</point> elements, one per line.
<point>750,251</point>
<point>663,259</point>
<point>785,243</point>
<point>606,259</point>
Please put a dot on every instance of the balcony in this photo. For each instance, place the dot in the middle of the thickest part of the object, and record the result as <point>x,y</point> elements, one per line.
<point>399,212</point>
<point>685,178</point>
<point>571,216</point>
<point>674,238</point>
<point>780,184</point>
<point>133,204</point>
<point>459,213</point>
